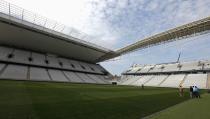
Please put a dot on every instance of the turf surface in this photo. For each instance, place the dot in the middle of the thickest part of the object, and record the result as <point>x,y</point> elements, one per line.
<point>42,100</point>
<point>192,109</point>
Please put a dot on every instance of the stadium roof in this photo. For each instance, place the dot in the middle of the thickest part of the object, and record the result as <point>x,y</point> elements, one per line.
<point>23,29</point>
<point>188,30</point>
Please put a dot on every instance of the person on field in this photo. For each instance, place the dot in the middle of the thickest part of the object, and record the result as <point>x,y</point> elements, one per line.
<point>194,91</point>
<point>181,91</point>
<point>197,92</point>
<point>191,92</point>
<point>142,86</point>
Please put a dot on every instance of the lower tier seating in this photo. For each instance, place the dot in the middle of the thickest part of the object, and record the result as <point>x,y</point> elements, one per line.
<point>173,80</point>
<point>199,80</point>
<point>25,57</point>
<point>174,74</point>
<point>156,80</point>
<point>39,74</point>
<point>15,72</point>
<point>23,72</point>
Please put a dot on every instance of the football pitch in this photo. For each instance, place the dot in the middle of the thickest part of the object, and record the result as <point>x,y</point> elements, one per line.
<point>44,100</point>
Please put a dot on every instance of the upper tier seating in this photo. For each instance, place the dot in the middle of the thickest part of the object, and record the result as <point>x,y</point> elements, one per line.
<point>5,53</point>
<point>206,65</point>
<point>86,67</point>
<point>96,68</point>
<point>158,68</point>
<point>52,61</point>
<point>146,69</point>
<point>20,56</point>
<point>38,59</point>
<point>188,66</point>
<point>135,69</point>
<point>171,67</point>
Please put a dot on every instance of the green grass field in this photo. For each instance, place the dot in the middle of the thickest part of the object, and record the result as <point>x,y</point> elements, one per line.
<point>42,100</point>
<point>192,109</point>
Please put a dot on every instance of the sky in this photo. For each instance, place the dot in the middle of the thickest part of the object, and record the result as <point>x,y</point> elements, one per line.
<point>117,23</point>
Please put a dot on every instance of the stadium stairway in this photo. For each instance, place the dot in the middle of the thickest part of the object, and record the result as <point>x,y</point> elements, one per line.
<point>183,80</point>
<point>148,80</point>
<point>163,81</point>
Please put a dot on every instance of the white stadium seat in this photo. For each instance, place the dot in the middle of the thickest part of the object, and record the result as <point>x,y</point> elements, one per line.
<point>1,67</point>
<point>73,77</point>
<point>146,69</point>
<point>188,66</point>
<point>4,52</point>
<point>142,80</point>
<point>76,65</point>
<point>57,75</point>
<point>53,62</point>
<point>156,80</point>
<point>39,74</point>
<point>206,65</point>
<point>20,56</point>
<point>130,80</point>
<point>102,77</point>
<point>135,69</point>
<point>66,64</point>
<point>173,81</point>
<point>173,67</point>
<point>98,80</point>
<point>85,78</point>
<point>85,66</point>
<point>158,68</point>
<point>38,59</point>
<point>95,68</point>
<point>15,72</point>
<point>198,80</point>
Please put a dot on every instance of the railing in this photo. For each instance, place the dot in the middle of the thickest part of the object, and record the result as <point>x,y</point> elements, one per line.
<point>22,14</point>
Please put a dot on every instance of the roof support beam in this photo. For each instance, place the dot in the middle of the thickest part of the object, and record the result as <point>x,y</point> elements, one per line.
<point>188,30</point>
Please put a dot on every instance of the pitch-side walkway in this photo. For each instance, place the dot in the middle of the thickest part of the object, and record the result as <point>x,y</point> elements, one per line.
<point>191,109</point>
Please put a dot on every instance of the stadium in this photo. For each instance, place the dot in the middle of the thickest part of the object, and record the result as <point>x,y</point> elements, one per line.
<point>51,71</point>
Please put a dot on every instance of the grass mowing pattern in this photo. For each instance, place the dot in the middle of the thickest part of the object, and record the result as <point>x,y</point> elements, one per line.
<point>42,100</point>
<point>192,109</point>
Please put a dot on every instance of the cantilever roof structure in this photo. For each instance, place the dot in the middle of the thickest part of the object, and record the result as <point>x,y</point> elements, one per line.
<point>188,30</point>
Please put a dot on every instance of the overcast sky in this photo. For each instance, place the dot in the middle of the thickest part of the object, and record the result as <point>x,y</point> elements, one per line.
<point>117,23</point>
